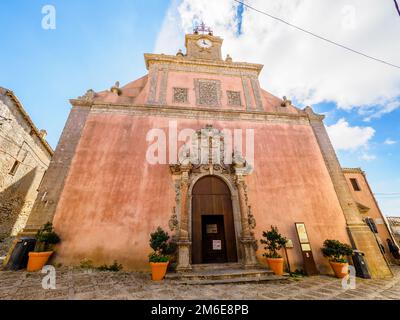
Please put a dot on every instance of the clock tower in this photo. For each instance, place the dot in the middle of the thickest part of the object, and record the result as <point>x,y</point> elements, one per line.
<point>203,46</point>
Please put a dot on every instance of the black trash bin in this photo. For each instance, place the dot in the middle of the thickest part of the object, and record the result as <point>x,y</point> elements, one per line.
<point>19,257</point>
<point>360,265</point>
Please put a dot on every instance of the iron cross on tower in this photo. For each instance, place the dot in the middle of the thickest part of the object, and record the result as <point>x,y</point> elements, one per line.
<point>202,28</point>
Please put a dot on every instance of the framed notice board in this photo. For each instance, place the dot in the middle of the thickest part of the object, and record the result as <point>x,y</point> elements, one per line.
<point>308,260</point>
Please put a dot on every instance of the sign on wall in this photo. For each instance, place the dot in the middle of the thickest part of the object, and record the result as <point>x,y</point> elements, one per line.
<point>310,267</point>
<point>302,233</point>
<point>217,245</point>
<point>211,228</point>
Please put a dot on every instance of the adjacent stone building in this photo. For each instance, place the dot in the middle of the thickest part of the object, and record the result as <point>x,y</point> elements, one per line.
<point>118,173</point>
<point>394,224</point>
<point>24,158</point>
<point>369,209</point>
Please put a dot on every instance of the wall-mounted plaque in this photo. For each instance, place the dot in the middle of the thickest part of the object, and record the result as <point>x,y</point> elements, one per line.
<point>289,244</point>
<point>302,233</point>
<point>217,245</point>
<point>211,228</point>
<point>310,267</point>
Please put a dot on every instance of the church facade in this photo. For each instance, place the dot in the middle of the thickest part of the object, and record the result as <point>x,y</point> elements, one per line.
<point>199,148</point>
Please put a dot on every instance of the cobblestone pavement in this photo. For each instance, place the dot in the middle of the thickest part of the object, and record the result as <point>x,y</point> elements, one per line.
<point>79,284</point>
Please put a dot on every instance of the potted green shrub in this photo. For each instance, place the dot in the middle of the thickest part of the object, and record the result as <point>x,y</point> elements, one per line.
<point>274,242</point>
<point>337,253</point>
<point>46,239</point>
<point>159,258</point>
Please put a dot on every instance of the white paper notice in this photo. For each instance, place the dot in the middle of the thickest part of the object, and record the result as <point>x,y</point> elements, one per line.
<point>217,245</point>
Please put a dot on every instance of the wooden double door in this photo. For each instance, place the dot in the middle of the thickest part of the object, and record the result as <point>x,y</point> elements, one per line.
<point>213,230</point>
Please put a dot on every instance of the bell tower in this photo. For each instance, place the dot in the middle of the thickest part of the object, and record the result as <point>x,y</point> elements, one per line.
<point>202,44</point>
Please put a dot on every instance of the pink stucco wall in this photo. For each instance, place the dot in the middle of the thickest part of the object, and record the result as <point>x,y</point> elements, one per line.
<point>113,198</point>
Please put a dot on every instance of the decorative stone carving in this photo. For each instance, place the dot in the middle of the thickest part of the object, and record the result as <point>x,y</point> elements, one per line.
<point>241,166</point>
<point>173,222</point>
<point>234,98</point>
<point>163,87</point>
<point>88,96</point>
<point>115,88</point>
<point>208,92</point>
<point>252,220</point>
<point>206,155</point>
<point>256,92</point>
<point>286,102</point>
<point>181,95</point>
<point>246,91</point>
<point>153,75</point>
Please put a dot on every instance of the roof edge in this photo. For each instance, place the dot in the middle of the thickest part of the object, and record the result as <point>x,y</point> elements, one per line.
<point>26,116</point>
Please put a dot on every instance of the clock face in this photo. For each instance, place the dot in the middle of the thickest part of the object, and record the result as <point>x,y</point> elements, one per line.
<point>204,43</point>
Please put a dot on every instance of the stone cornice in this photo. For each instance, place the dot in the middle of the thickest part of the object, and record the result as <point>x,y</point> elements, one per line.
<point>201,113</point>
<point>312,115</point>
<point>353,170</point>
<point>151,58</point>
<point>81,103</point>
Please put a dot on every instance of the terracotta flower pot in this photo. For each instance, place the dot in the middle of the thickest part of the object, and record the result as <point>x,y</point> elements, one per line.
<point>158,270</point>
<point>341,269</point>
<point>37,260</point>
<point>276,265</point>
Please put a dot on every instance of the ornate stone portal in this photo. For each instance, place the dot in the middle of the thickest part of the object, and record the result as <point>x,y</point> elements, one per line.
<point>208,154</point>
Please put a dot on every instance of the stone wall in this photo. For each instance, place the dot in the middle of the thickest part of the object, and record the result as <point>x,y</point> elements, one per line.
<point>18,187</point>
<point>394,224</point>
<point>365,197</point>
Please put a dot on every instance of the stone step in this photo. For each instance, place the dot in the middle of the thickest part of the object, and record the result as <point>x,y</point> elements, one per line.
<point>220,274</point>
<point>242,280</point>
<point>215,266</point>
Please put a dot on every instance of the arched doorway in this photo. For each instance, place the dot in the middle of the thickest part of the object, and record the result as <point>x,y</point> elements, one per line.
<point>213,230</point>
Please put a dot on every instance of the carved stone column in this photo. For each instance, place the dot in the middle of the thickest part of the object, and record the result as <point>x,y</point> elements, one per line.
<point>247,237</point>
<point>183,237</point>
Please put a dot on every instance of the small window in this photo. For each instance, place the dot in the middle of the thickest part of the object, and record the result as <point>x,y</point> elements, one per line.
<point>355,184</point>
<point>14,168</point>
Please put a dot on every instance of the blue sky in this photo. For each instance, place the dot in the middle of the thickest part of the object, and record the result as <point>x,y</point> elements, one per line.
<point>96,43</point>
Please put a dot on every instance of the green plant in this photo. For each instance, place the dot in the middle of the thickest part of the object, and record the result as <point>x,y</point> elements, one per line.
<point>336,251</point>
<point>86,264</point>
<point>274,242</point>
<point>155,257</point>
<point>46,238</point>
<point>162,246</point>
<point>115,267</point>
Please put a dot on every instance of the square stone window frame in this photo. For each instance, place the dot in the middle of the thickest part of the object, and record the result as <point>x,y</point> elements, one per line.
<point>197,92</point>
<point>180,102</point>
<point>240,98</point>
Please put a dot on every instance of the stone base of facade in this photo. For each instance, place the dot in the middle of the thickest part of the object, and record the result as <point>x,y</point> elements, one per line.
<point>249,253</point>
<point>364,240</point>
<point>184,256</point>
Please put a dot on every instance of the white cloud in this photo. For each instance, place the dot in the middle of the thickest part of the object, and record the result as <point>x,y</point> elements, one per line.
<point>387,108</point>
<point>345,137</point>
<point>367,157</point>
<point>296,64</point>
<point>389,141</point>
